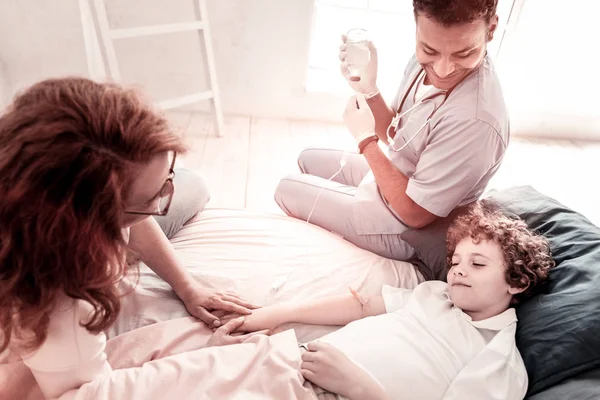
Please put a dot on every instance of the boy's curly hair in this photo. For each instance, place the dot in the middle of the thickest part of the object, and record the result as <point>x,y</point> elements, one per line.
<point>455,12</point>
<point>527,255</point>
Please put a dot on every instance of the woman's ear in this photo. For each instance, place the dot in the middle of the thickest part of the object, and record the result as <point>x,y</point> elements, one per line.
<point>492,28</point>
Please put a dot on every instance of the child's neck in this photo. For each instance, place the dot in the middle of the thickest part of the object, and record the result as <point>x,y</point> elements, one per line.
<point>486,314</point>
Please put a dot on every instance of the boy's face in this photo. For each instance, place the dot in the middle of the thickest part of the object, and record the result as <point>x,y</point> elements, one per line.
<point>477,279</point>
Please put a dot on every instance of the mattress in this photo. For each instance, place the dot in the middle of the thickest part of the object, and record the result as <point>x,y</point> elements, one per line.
<point>265,258</point>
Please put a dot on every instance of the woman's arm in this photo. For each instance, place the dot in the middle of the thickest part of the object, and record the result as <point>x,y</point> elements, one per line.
<point>150,243</point>
<point>148,240</point>
<point>331,310</point>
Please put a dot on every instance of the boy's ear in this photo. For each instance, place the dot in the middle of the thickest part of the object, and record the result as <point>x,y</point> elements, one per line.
<point>515,290</point>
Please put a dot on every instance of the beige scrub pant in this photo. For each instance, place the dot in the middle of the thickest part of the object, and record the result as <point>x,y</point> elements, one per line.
<point>296,195</point>
<point>190,198</point>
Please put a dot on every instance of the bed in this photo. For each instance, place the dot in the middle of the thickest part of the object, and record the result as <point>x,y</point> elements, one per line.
<point>266,258</point>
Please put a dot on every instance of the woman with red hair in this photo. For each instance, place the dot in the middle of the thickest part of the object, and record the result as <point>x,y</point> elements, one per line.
<point>84,166</point>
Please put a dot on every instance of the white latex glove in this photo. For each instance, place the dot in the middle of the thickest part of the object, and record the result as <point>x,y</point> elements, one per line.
<point>329,368</point>
<point>367,82</point>
<point>359,118</point>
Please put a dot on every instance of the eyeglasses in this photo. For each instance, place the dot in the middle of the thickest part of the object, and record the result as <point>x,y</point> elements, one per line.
<point>165,196</point>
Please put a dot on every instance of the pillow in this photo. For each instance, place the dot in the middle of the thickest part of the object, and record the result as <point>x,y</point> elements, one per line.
<point>557,332</point>
<point>582,386</point>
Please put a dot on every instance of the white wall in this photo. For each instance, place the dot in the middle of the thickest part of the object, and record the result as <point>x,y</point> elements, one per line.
<point>39,39</point>
<point>261,50</point>
<point>547,64</point>
<point>4,86</point>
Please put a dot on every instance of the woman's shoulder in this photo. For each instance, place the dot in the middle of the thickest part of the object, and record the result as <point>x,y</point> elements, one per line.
<point>67,342</point>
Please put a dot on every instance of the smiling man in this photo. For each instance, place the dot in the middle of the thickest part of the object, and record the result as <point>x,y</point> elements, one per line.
<point>445,136</point>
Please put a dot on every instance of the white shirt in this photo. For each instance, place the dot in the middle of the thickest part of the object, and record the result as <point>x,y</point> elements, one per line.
<point>70,356</point>
<point>426,348</point>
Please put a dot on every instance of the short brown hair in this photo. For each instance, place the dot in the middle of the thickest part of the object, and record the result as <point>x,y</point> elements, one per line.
<point>455,12</point>
<point>527,255</point>
<point>68,150</point>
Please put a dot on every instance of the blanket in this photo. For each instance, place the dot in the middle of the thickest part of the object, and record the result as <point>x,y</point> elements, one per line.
<point>167,360</point>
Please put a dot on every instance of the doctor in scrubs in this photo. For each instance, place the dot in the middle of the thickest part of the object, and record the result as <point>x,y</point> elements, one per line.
<point>433,149</point>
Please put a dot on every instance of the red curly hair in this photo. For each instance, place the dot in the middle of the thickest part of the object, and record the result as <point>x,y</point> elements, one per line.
<point>69,148</point>
<point>456,12</point>
<point>527,255</point>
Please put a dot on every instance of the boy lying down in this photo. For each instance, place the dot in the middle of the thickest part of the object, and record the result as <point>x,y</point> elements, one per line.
<point>452,340</point>
<point>448,341</point>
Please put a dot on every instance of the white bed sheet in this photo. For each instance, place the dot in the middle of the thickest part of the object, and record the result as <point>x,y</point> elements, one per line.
<point>250,253</point>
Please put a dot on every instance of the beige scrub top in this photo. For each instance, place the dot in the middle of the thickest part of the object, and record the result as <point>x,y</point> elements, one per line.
<point>451,160</point>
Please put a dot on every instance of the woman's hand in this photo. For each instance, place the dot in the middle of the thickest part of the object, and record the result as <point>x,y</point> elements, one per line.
<point>223,336</point>
<point>329,368</point>
<point>202,302</point>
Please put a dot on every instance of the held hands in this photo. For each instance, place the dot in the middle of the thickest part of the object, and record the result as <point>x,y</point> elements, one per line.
<point>359,118</point>
<point>203,302</point>
<point>367,81</point>
<point>260,319</point>
<point>329,368</point>
<point>224,335</point>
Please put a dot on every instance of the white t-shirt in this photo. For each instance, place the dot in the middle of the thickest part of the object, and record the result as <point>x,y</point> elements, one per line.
<point>70,356</point>
<point>422,89</point>
<point>426,348</point>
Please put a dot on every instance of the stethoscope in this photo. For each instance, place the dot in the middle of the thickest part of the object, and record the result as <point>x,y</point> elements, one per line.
<point>396,120</point>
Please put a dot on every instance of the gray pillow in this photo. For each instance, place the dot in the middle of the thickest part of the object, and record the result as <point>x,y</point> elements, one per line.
<point>430,246</point>
<point>585,386</point>
<point>558,333</point>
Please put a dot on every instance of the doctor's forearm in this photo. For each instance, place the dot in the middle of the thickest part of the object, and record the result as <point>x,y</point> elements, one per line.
<point>383,116</point>
<point>390,180</point>
<point>393,185</point>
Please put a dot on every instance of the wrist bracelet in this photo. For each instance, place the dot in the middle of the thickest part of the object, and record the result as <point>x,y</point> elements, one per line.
<point>363,143</point>
<point>365,304</point>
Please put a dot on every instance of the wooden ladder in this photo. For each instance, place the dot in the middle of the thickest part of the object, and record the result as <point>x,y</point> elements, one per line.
<point>108,35</point>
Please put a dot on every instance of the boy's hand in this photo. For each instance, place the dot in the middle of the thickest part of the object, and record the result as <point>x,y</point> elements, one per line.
<point>329,368</point>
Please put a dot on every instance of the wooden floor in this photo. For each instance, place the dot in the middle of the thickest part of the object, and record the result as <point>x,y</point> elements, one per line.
<point>244,167</point>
